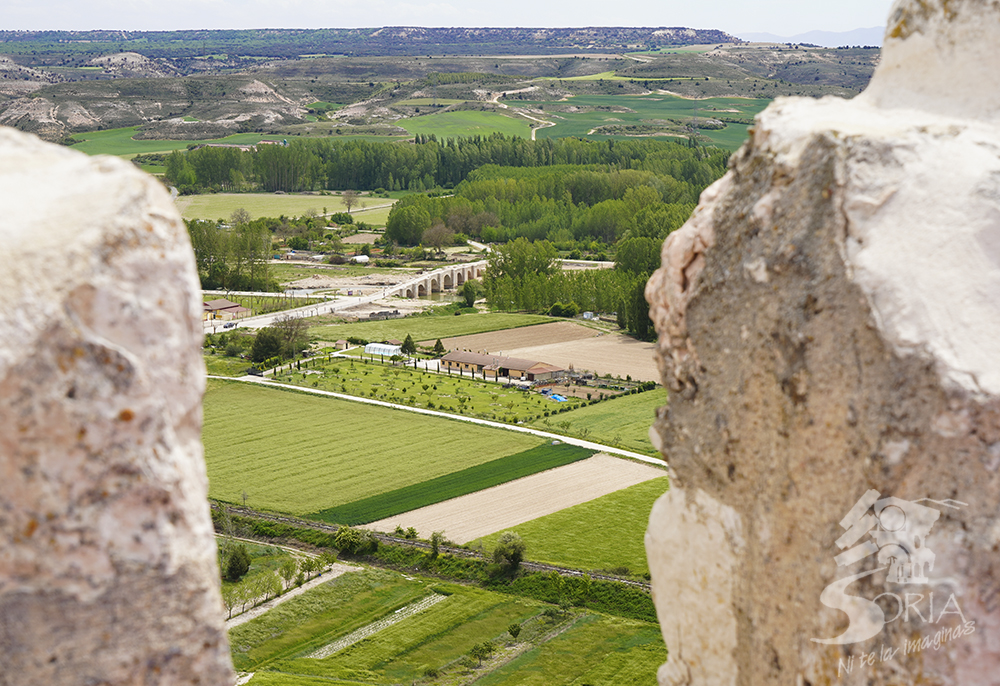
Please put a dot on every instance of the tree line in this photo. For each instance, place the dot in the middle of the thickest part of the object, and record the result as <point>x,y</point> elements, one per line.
<point>525,276</point>
<point>563,204</point>
<point>234,257</point>
<point>427,163</point>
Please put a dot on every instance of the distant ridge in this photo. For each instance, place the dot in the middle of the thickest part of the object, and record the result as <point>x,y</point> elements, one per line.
<point>388,40</point>
<point>826,39</point>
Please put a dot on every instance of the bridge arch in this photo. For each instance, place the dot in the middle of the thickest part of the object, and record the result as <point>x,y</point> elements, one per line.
<point>421,290</point>
<point>448,281</point>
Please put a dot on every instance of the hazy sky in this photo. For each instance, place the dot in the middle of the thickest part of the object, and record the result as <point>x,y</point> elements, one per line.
<point>780,17</point>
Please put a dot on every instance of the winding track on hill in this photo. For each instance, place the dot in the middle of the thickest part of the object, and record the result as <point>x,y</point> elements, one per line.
<point>542,123</point>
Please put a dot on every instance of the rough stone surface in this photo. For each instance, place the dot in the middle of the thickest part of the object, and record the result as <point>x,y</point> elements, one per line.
<point>107,555</point>
<point>829,324</point>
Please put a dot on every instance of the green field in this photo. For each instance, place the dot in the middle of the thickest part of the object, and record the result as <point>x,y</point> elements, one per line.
<point>466,123</point>
<point>647,108</point>
<point>298,453</point>
<point>439,638</point>
<point>418,388</point>
<point>221,205</point>
<point>421,102</point>
<point>120,142</point>
<point>218,365</point>
<point>607,532</point>
<point>453,485</point>
<point>595,650</point>
<point>426,328</point>
<point>622,422</point>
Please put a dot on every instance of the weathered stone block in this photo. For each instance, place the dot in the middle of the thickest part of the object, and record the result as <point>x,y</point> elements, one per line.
<point>829,325</point>
<point>107,553</point>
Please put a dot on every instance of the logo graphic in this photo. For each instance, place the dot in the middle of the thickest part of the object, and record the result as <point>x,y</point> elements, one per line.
<point>898,531</point>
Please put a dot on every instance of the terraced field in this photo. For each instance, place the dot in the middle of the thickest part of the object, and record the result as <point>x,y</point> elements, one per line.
<point>433,643</point>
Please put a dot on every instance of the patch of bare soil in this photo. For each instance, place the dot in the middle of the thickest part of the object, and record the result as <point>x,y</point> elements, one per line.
<point>614,354</point>
<point>360,238</point>
<point>469,517</point>
<point>509,339</point>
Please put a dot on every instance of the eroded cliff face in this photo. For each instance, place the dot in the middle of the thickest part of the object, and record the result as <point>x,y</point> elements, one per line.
<point>107,553</point>
<point>829,325</point>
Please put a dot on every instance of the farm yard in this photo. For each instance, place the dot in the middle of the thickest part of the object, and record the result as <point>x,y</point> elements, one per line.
<point>607,531</point>
<point>433,641</point>
<point>297,453</point>
<point>508,505</point>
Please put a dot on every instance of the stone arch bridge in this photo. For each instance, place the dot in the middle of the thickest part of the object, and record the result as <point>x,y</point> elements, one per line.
<point>451,276</point>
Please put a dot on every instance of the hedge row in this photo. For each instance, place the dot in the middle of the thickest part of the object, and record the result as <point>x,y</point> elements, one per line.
<point>609,597</point>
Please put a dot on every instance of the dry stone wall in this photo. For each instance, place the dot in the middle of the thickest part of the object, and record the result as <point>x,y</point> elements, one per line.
<point>107,555</point>
<point>829,324</point>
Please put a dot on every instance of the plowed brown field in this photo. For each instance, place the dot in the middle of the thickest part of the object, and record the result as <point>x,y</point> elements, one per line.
<point>564,344</point>
<point>495,509</point>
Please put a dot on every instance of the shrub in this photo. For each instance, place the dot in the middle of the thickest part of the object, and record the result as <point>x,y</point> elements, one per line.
<point>238,563</point>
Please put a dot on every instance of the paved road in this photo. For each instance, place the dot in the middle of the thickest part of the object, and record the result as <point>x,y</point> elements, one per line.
<point>590,445</point>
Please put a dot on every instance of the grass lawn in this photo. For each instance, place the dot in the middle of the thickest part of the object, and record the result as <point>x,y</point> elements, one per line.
<point>622,422</point>
<point>456,484</point>
<point>298,453</point>
<point>607,532</point>
<point>426,328</point>
<point>222,205</point>
<point>577,648</point>
<point>377,214</point>
<point>466,123</point>
<point>220,365</point>
<point>419,388</point>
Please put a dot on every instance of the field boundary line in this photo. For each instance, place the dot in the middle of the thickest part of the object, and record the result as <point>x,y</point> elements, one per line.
<point>590,445</point>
